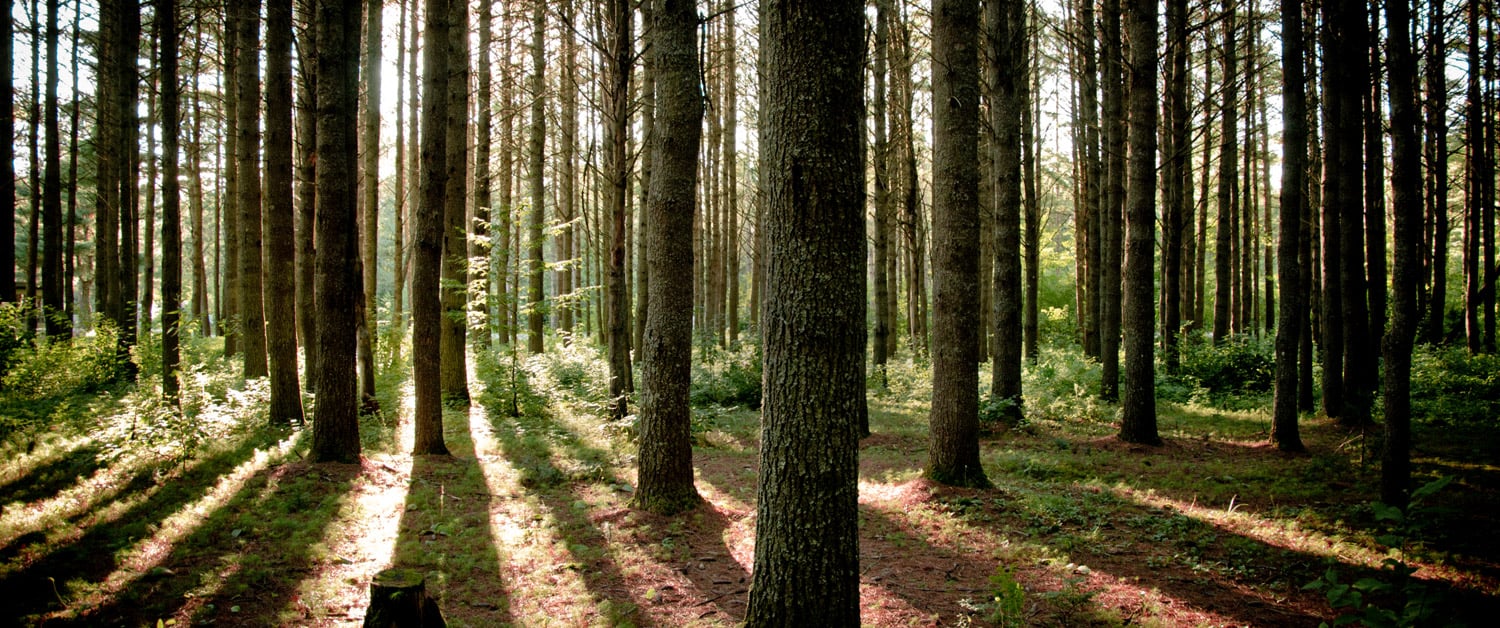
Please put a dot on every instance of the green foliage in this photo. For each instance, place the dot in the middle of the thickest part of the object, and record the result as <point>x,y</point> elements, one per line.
<point>1396,599</point>
<point>51,369</point>
<point>13,333</point>
<point>1241,364</point>
<point>727,377</point>
<point>1008,600</point>
<point>1062,385</point>
<point>508,383</point>
<point>1450,387</point>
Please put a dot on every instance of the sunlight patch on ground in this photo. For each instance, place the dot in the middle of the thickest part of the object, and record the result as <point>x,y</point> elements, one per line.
<point>1237,519</point>
<point>139,559</point>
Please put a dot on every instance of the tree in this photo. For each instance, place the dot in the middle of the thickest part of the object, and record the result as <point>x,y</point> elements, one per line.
<point>619,48</point>
<point>8,158</point>
<point>246,18</point>
<point>1111,203</point>
<point>665,468</point>
<point>880,166</point>
<point>954,453</point>
<point>307,193</point>
<point>369,210</point>
<point>1229,142</point>
<point>336,423</point>
<point>455,383</point>
<point>481,243</point>
<point>57,324</point>
<point>171,226</point>
<point>1007,32</point>
<point>1138,403</point>
<point>1406,206</point>
<point>427,240</point>
<point>1436,100</point>
<point>1345,49</point>
<point>1177,187</point>
<point>281,254</point>
<point>813,323</point>
<point>1284,432</point>
<point>537,148</point>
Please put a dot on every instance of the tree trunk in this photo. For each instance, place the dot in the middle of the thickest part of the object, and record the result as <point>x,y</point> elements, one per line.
<point>307,195</point>
<point>1138,403</point>
<point>665,472</point>
<point>1032,234</point>
<point>455,377</point>
<point>127,272</point>
<point>619,48</point>
<point>480,241</point>
<point>247,167</point>
<point>195,189</point>
<point>1347,21</point>
<point>427,234</point>
<point>1093,183</point>
<point>281,252</point>
<point>1475,171</point>
<point>8,149</point>
<point>536,309</point>
<point>500,237</point>
<point>57,323</point>
<point>814,320</point>
<point>336,422</point>
<point>148,256</point>
<point>369,219</point>
<point>1436,101</point>
<point>731,172</point>
<point>1007,25</point>
<point>647,165</point>
<point>398,233</point>
<point>1228,163</point>
<point>1111,230</point>
<point>879,163</point>
<point>1406,206</point>
<point>229,265</point>
<point>1176,188</point>
<point>954,453</point>
<point>1284,430</point>
<point>171,225</point>
<point>1375,182</point>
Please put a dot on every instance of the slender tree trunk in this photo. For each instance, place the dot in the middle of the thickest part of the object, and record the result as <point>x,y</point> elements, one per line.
<point>57,323</point>
<point>69,257</point>
<point>1093,182</point>
<point>229,265</point>
<point>647,165</point>
<point>1007,25</point>
<point>879,166</point>
<point>620,52</point>
<point>280,216</point>
<point>806,536</point>
<point>8,149</point>
<point>247,167</point>
<point>1375,182</point>
<point>398,233</point>
<point>1476,170</point>
<point>1349,26</point>
<point>336,422</point>
<point>126,268</point>
<point>171,227</point>
<point>1436,101</point>
<point>1284,429</point>
<point>1406,187</point>
<point>501,235</point>
<point>34,178</point>
<point>148,256</point>
<point>307,196</point>
<point>1176,188</point>
<point>1112,201</point>
<point>1228,162</point>
<point>455,382</point>
<point>731,183</point>
<point>369,212</point>
<point>480,241</point>
<point>1032,233</point>
<point>428,225</point>
<point>195,189</point>
<point>536,308</point>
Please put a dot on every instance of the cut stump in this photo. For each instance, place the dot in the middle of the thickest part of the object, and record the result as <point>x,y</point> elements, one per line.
<point>398,599</point>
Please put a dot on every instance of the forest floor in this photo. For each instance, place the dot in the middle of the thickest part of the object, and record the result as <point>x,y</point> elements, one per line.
<point>105,520</point>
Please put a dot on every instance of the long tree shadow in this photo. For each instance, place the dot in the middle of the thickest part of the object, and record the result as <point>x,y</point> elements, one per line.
<point>41,576</point>
<point>53,476</point>
<point>445,532</point>
<point>553,463</point>
<point>244,560</point>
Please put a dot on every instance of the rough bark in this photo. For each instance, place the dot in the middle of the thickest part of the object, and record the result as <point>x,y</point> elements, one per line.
<point>427,235</point>
<point>1006,21</point>
<point>1224,282</point>
<point>620,53</point>
<point>879,162</point>
<point>1284,430</point>
<point>954,453</point>
<point>481,241</point>
<point>1111,204</point>
<point>307,194</point>
<point>8,151</point>
<point>1349,26</point>
<point>665,471</point>
<point>535,308</point>
<point>1176,188</point>
<point>1436,101</point>
<point>1406,208</point>
<point>336,422</point>
<point>455,374</point>
<point>280,295</point>
<point>171,226</point>
<point>1138,401</point>
<point>248,193</point>
<point>57,324</point>
<point>369,210</point>
<point>814,321</point>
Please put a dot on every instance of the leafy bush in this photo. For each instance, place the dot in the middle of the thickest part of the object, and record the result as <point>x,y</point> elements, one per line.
<point>1061,385</point>
<point>1449,387</point>
<point>53,369</point>
<point>13,332</point>
<point>727,377</point>
<point>1240,364</point>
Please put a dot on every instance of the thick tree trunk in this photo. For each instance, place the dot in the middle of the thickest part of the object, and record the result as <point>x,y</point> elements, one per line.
<point>665,472</point>
<point>1332,317</point>
<point>1224,278</point>
<point>814,320</point>
<point>171,226</point>
<point>1349,26</point>
<point>1138,401</point>
<point>336,422</point>
<point>954,453</point>
<point>1176,188</point>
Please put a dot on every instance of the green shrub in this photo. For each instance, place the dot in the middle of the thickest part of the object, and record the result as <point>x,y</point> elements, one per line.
<point>727,377</point>
<point>1240,364</point>
<point>13,332</point>
<point>1450,387</point>
<point>57,368</point>
<point>1062,385</point>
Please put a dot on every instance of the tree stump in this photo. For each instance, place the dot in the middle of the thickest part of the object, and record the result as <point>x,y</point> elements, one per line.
<point>398,599</point>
